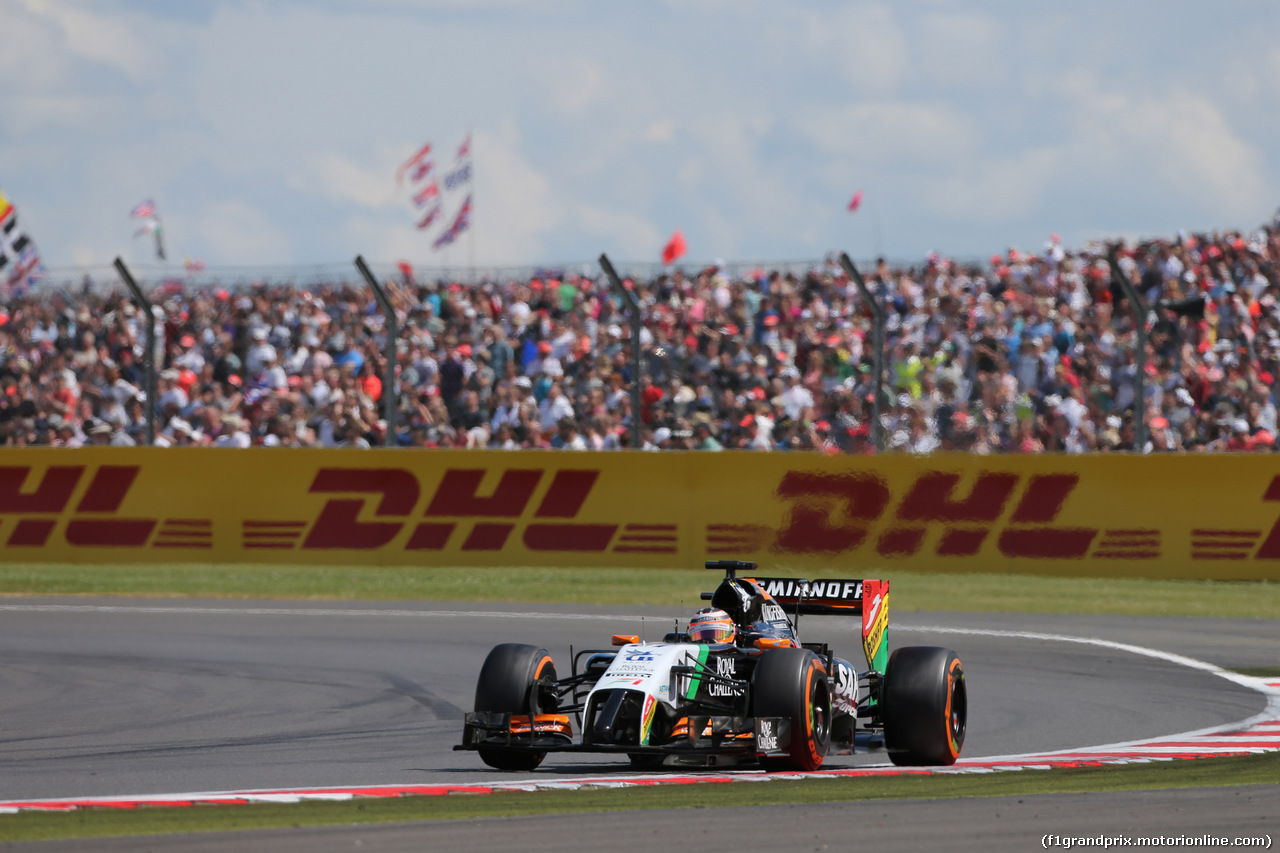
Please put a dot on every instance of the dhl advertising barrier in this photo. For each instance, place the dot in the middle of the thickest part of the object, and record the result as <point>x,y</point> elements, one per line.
<point>1176,516</point>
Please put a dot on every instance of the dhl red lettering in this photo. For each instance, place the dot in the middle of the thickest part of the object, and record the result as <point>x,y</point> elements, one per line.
<point>1270,547</point>
<point>932,498</point>
<point>51,495</point>
<point>1041,502</point>
<point>31,533</point>
<point>108,488</point>
<point>568,492</point>
<point>459,493</point>
<point>430,536</point>
<point>105,494</point>
<point>488,536</point>
<point>399,488</point>
<point>338,524</point>
<point>568,537</point>
<point>808,527</point>
<point>900,541</point>
<point>1044,497</point>
<point>110,533</point>
<point>1058,543</point>
<point>961,542</point>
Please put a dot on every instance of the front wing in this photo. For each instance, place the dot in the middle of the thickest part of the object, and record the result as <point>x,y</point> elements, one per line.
<point>706,735</point>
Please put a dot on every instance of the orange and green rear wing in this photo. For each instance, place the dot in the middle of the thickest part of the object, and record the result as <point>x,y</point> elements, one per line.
<point>868,598</point>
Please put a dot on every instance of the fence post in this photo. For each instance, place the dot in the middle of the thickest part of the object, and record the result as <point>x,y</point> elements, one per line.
<point>149,358</point>
<point>877,345</point>
<point>637,324</point>
<point>390,394</point>
<point>1138,307</point>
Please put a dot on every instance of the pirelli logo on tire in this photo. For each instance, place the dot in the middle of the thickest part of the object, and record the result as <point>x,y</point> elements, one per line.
<point>1186,517</point>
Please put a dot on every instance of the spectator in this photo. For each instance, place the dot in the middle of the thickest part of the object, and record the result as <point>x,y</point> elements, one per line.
<point>1024,353</point>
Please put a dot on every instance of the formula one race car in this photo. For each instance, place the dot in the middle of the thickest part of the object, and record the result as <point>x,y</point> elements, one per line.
<point>737,687</point>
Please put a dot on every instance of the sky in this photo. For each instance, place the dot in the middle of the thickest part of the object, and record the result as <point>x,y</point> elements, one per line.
<point>269,133</point>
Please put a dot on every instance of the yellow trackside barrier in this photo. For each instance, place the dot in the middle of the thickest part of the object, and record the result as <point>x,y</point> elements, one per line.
<point>1168,516</point>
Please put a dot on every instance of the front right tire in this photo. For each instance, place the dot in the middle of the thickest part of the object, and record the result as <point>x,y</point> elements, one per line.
<point>508,684</point>
<point>925,707</point>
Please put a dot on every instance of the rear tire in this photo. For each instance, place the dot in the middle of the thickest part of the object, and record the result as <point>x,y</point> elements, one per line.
<point>924,705</point>
<point>507,684</point>
<point>792,683</point>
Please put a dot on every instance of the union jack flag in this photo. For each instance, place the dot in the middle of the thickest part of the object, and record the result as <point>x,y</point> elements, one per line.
<point>458,177</point>
<point>421,170</point>
<point>432,215</point>
<point>143,209</point>
<point>460,223</point>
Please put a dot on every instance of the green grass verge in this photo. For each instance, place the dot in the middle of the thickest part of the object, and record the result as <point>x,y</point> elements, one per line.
<point>1259,671</point>
<point>1247,770</point>
<point>912,590</point>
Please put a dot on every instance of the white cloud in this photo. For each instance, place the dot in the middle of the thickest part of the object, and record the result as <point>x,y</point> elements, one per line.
<point>239,232</point>
<point>632,233</point>
<point>1190,146</point>
<point>663,130</point>
<point>996,189</point>
<point>577,82</point>
<point>277,127</point>
<point>883,132</point>
<point>29,46</point>
<point>108,39</point>
<point>342,179</point>
<point>515,206</point>
<point>866,43</point>
<point>961,49</point>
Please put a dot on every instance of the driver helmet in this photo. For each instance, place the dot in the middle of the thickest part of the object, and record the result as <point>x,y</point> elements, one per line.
<point>712,625</point>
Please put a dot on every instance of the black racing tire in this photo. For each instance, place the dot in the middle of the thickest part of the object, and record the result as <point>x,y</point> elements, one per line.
<point>506,684</point>
<point>792,683</point>
<point>924,705</point>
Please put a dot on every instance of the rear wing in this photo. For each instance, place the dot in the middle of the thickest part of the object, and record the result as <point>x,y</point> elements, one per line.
<point>817,597</point>
<point>828,597</point>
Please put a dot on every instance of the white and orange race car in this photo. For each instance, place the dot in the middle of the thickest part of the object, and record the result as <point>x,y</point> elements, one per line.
<point>748,692</point>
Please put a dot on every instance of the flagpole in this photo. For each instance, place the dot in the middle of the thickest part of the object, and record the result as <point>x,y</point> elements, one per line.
<point>875,232</point>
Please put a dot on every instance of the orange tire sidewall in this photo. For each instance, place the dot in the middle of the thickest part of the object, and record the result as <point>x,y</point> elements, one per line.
<point>537,673</point>
<point>812,671</point>
<point>542,664</point>
<point>954,671</point>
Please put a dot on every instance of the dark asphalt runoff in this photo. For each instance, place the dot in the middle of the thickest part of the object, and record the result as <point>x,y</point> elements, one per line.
<point>149,696</point>
<point>975,825</point>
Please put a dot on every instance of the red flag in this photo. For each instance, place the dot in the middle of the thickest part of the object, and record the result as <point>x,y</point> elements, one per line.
<point>674,249</point>
<point>857,200</point>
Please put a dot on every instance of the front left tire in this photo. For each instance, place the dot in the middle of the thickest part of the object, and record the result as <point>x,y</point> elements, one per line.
<point>792,683</point>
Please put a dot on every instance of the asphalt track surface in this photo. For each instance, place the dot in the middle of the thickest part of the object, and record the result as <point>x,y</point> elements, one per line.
<point>119,696</point>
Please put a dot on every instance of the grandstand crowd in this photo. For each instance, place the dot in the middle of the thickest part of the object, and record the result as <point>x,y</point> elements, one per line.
<point>1030,352</point>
